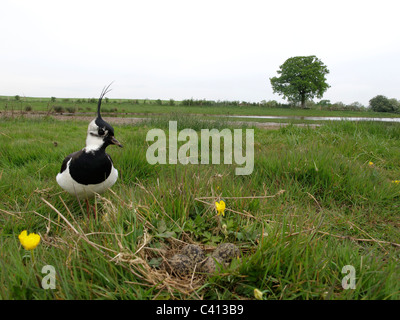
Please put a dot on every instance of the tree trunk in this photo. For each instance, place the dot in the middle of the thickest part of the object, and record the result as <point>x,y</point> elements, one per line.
<point>303,102</point>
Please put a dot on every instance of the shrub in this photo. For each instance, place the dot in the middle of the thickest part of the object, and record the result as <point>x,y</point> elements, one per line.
<point>381,103</point>
<point>325,103</point>
<point>58,109</point>
<point>396,104</point>
<point>270,104</point>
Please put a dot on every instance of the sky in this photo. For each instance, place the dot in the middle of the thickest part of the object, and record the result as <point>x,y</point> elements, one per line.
<point>182,49</point>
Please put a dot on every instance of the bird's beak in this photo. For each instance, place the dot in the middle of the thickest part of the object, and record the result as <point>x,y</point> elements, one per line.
<point>116,142</point>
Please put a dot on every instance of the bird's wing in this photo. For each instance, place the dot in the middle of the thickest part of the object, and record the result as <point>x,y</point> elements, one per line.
<point>108,156</point>
<point>67,158</point>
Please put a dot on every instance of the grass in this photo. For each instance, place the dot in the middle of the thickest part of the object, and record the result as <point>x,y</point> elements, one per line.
<point>312,205</point>
<point>123,107</point>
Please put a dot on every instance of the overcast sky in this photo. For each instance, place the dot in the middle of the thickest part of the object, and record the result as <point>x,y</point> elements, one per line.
<point>217,50</point>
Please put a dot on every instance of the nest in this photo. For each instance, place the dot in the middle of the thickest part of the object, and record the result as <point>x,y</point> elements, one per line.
<point>165,275</point>
<point>183,267</point>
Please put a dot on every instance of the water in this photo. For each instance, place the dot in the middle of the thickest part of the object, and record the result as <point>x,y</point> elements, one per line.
<point>287,118</point>
<point>321,118</point>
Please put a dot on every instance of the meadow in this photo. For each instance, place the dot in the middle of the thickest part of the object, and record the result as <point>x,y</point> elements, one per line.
<point>149,108</point>
<point>319,199</point>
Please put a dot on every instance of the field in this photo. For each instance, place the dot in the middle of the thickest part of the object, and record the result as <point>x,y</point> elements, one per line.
<point>319,199</point>
<point>147,108</point>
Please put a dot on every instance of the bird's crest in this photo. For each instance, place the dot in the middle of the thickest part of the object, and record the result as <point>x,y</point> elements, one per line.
<point>103,93</point>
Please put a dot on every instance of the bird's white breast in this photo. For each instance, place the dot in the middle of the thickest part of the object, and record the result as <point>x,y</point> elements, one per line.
<point>66,182</point>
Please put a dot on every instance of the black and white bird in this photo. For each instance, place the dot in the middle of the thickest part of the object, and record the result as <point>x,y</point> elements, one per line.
<point>91,170</point>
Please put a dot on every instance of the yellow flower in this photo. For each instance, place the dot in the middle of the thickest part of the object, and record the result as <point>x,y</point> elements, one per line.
<point>258,294</point>
<point>396,181</point>
<point>220,207</point>
<point>29,242</point>
<point>370,163</point>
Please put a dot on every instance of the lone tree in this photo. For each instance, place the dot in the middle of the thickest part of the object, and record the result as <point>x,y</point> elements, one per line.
<point>301,78</point>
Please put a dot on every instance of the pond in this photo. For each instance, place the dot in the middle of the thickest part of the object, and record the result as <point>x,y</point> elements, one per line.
<point>321,118</point>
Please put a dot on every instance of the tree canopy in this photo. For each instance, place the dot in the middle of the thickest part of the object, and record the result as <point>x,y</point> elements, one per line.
<point>381,103</point>
<point>301,78</point>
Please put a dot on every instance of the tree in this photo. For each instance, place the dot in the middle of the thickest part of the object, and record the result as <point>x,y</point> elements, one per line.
<point>381,103</point>
<point>301,78</point>
<point>396,104</point>
<point>325,103</point>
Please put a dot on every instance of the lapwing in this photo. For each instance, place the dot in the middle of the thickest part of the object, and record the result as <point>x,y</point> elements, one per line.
<point>91,170</point>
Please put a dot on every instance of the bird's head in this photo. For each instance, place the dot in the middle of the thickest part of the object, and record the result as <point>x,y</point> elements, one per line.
<point>100,133</point>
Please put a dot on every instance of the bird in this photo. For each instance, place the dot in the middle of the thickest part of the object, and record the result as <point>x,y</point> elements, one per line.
<point>91,170</point>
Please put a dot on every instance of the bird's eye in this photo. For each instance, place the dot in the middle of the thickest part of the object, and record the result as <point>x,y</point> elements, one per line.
<point>101,131</point>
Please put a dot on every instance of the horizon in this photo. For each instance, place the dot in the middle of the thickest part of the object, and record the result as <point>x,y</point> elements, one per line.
<point>283,102</point>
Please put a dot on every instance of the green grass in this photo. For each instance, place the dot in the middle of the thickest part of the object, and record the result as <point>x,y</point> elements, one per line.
<point>336,209</point>
<point>124,107</point>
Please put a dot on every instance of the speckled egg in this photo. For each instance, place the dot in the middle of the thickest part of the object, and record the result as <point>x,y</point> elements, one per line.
<point>194,252</point>
<point>181,264</point>
<point>211,264</point>
<point>226,252</point>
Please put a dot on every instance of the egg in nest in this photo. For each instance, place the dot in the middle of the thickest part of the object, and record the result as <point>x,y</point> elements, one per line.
<point>194,252</point>
<point>226,252</point>
<point>211,264</point>
<point>180,264</point>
